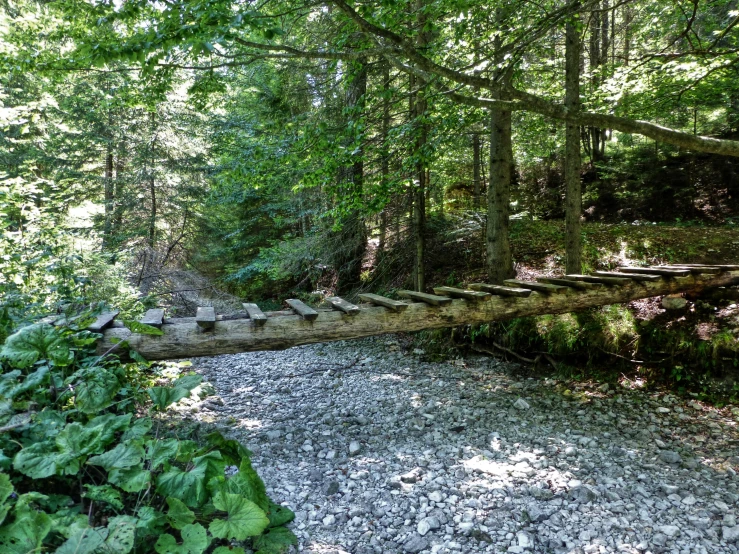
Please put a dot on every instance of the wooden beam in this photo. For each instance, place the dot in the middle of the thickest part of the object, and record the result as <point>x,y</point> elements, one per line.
<point>103,321</point>
<point>696,270</point>
<point>598,279</point>
<point>582,285</point>
<point>725,267</point>
<point>632,276</point>
<point>205,317</point>
<point>501,291</point>
<point>153,317</point>
<point>255,314</point>
<point>388,303</point>
<point>303,310</point>
<point>656,271</point>
<point>473,295</point>
<point>342,305</point>
<point>423,297</point>
<point>184,340</point>
<point>539,287</point>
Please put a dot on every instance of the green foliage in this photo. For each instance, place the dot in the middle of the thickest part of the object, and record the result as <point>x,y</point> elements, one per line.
<point>76,427</point>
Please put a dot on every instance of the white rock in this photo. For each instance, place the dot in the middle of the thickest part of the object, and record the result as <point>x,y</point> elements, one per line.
<point>354,448</point>
<point>669,530</point>
<point>524,540</point>
<point>329,520</point>
<point>435,496</point>
<point>730,534</point>
<point>521,404</point>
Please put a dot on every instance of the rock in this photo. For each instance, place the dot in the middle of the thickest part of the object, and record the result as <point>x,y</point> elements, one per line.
<point>329,520</point>
<point>415,544</point>
<point>730,534</point>
<point>670,457</point>
<point>354,448</point>
<point>412,476</point>
<point>331,488</point>
<point>521,404</point>
<point>427,524</point>
<point>524,540</point>
<point>466,527</point>
<point>584,494</point>
<point>435,496</point>
<point>669,530</point>
<point>674,302</point>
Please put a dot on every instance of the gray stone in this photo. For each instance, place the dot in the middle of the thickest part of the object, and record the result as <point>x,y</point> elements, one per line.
<point>730,534</point>
<point>670,457</point>
<point>669,530</point>
<point>415,544</point>
<point>354,448</point>
<point>674,302</point>
<point>521,404</point>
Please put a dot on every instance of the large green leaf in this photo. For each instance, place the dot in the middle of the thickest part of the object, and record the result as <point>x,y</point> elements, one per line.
<point>36,342</point>
<point>121,457</point>
<point>142,328</point>
<point>279,515</point>
<point>84,541</point>
<point>6,487</point>
<point>188,486</point>
<point>194,541</point>
<point>121,535</point>
<point>132,479</point>
<point>229,550</point>
<point>213,464</point>
<point>165,396</point>
<point>179,515</point>
<point>243,518</point>
<point>139,429</point>
<point>25,534</point>
<point>37,461</point>
<point>95,389</point>
<point>149,522</point>
<point>231,450</point>
<point>104,493</point>
<point>275,541</point>
<point>248,484</point>
<point>160,451</point>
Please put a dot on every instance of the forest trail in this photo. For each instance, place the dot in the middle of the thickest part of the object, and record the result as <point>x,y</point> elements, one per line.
<point>379,451</point>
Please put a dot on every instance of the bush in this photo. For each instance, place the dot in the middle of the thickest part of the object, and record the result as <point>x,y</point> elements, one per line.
<point>90,464</point>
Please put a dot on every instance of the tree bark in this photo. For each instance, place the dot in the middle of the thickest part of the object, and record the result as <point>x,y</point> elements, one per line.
<point>573,198</point>
<point>385,152</point>
<point>109,198</point>
<point>476,162</point>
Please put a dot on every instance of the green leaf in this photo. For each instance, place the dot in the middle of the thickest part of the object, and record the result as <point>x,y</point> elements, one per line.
<point>244,518</point>
<point>231,450</point>
<point>213,464</point>
<point>26,533</point>
<point>150,521</point>
<point>188,382</point>
<point>6,487</point>
<point>121,535</point>
<point>161,451</point>
<point>188,486</point>
<point>104,493</point>
<point>139,428</point>
<point>165,396</point>
<point>279,515</point>
<point>229,550</point>
<point>142,328</point>
<point>248,484</point>
<point>133,479</point>
<point>275,541</point>
<point>179,515</point>
<point>194,541</point>
<point>36,342</point>
<point>37,461</point>
<point>95,389</point>
<point>121,457</point>
<point>84,541</point>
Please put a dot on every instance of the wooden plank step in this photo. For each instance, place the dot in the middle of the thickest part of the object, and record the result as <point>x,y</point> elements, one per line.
<point>632,276</point>
<point>205,317</point>
<point>598,279</point>
<point>697,270</point>
<point>303,310</point>
<point>656,271</point>
<point>473,295</point>
<point>725,267</point>
<point>103,321</point>
<point>500,290</point>
<point>342,305</point>
<point>533,285</point>
<point>423,297</point>
<point>153,317</point>
<point>388,303</point>
<point>582,285</point>
<point>255,314</point>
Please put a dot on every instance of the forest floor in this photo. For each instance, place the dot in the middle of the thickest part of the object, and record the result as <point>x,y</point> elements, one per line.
<point>380,451</point>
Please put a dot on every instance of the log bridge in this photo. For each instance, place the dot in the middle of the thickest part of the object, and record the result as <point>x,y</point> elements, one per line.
<point>208,334</point>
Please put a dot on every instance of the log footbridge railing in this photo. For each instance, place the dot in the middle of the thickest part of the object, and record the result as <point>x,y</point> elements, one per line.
<point>208,335</point>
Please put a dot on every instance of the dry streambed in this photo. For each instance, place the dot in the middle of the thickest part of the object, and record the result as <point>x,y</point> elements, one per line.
<point>379,452</point>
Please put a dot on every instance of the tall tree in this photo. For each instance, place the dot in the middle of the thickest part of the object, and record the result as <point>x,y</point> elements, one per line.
<point>573,197</point>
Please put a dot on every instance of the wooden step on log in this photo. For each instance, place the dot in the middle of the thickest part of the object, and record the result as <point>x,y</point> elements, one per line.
<point>598,279</point>
<point>423,297</point>
<point>205,317</point>
<point>103,321</point>
<point>698,270</point>
<point>153,317</point>
<point>633,276</point>
<point>342,305</point>
<point>656,271</point>
<point>499,290</point>
<point>473,295</point>
<point>302,309</point>
<point>389,303</point>
<point>538,287</point>
<point>725,267</point>
<point>255,314</point>
<point>582,285</point>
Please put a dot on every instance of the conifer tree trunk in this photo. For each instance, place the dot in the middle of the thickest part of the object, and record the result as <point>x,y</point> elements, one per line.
<point>385,153</point>
<point>476,162</point>
<point>573,199</point>
<point>109,198</point>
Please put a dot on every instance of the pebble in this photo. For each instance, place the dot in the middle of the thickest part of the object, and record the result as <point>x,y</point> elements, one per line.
<point>407,455</point>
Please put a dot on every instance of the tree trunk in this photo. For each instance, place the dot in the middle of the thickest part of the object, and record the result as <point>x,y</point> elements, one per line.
<point>476,162</point>
<point>109,198</point>
<point>152,213</point>
<point>573,199</point>
<point>385,153</point>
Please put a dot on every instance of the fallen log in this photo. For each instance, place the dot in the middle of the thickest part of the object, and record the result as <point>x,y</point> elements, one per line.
<point>182,338</point>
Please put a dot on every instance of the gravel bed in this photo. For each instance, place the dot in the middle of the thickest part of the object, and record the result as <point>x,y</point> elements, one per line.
<point>378,451</point>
